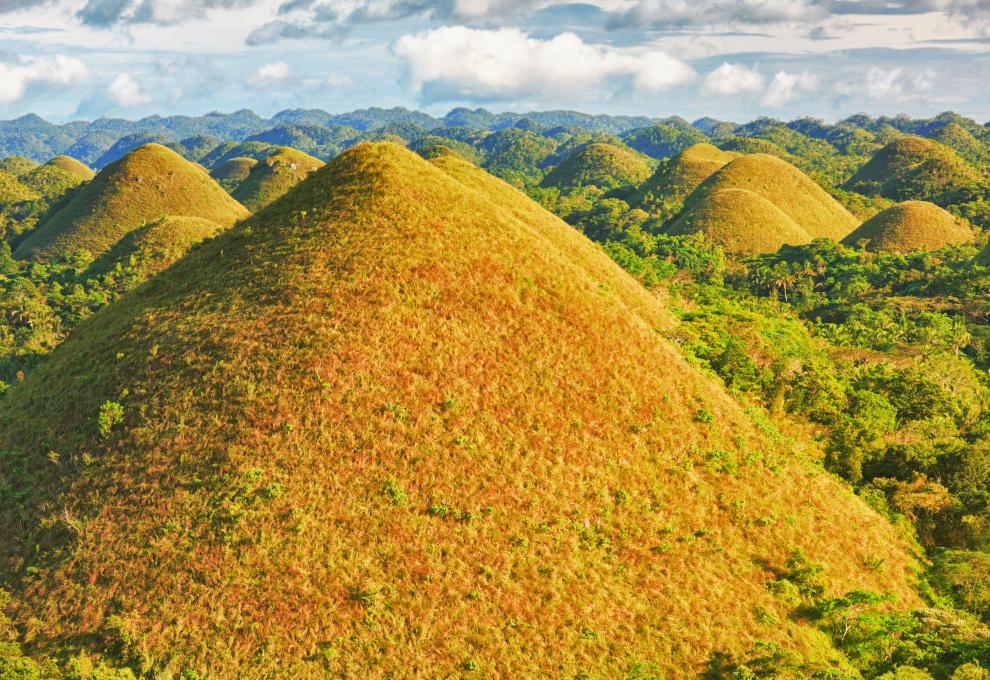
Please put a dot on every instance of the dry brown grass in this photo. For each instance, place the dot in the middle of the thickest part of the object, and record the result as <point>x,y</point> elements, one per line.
<point>423,426</point>
<point>76,167</point>
<point>911,226</point>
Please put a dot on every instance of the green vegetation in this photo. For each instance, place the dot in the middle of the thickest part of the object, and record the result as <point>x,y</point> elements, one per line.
<point>147,184</point>
<point>272,177</point>
<point>603,167</point>
<point>233,171</point>
<point>910,227</point>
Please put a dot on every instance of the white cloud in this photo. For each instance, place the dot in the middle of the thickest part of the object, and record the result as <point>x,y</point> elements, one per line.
<point>128,92</point>
<point>729,80</point>
<point>785,87</point>
<point>15,77</point>
<point>457,62</point>
<point>672,13</point>
<point>889,84</point>
<point>271,75</point>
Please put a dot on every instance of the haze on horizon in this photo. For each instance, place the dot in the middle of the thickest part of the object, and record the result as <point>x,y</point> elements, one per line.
<point>732,59</point>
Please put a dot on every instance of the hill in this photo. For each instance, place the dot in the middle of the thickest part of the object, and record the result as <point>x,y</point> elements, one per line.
<point>675,179</point>
<point>743,222</point>
<point>17,165</point>
<point>788,189</point>
<point>423,429</point>
<point>603,166</point>
<point>271,178</point>
<point>909,227</point>
<point>12,190</point>
<point>231,172</point>
<point>663,141</point>
<point>70,164</point>
<point>914,168</point>
<point>148,183</point>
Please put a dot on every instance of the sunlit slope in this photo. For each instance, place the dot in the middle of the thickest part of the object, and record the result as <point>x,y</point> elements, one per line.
<point>147,184</point>
<point>911,226</point>
<point>406,423</point>
<point>678,177</point>
<point>71,165</point>
<point>272,177</point>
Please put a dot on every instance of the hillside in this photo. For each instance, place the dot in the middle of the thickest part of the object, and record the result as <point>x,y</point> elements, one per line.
<point>675,179</point>
<point>914,168</point>
<point>786,188</point>
<point>230,173</point>
<point>17,165</point>
<point>76,167</point>
<point>272,177</point>
<point>368,439</point>
<point>602,166</point>
<point>147,184</point>
<point>909,227</point>
<point>12,190</point>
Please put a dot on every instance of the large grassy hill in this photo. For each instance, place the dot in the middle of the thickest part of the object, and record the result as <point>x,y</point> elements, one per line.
<point>676,178</point>
<point>602,166</point>
<point>405,423</point>
<point>270,178</point>
<point>909,227</point>
<point>914,168</point>
<point>756,227</point>
<point>147,184</point>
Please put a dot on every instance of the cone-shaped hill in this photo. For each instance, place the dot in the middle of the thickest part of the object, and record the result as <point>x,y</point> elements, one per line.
<point>600,165</point>
<point>233,171</point>
<point>676,178</point>
<point>909,227</point>
<point>753,226</point>
<point>423,426</point>
<point>914,168</point>
<point>271,178</point>
<point>147,184</point>
<point>71,165</point>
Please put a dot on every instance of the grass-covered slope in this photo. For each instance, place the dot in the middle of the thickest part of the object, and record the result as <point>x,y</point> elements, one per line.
<point>74,166</point>
<point>147,184</point>
<point>17,165</point>
<point>743,222</point>
<point>12,190</point>
<point>909,227</point>
<point>421,429</point>
<point>233,171</point>
<point>675,179</point>
<point>603,166</point>
<point>787,188</point>
<point>272,177</point>
<point>914,168</point>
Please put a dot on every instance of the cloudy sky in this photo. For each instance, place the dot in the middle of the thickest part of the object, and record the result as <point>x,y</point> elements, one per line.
<point>732,59</point>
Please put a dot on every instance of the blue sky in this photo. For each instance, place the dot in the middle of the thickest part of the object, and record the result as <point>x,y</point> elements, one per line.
<point>731,59</point>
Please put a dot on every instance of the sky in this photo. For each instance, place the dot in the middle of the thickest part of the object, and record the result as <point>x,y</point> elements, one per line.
<point>730,59</point>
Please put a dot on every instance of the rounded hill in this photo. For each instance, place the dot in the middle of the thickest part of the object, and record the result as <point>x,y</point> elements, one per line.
<point>914,168</point>
<point>147,184</point>
<point>272,177</point>
<point>909,227</point>
<point>233,171</point>
<point>422,427</point>
<point>742,222</point>
<point>73,166</point>
<point>785,187</point>
<point>604,166</point>
<point>676,178</point>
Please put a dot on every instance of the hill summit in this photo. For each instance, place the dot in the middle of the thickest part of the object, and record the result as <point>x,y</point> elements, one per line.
<point>757,203</point>
<point>272,177</point>
<point>604,166</point>
<point>73,166</point>
<point>909,227</point>
<point>404,422</point>
<point>676,178</point>
<point>147,184</point>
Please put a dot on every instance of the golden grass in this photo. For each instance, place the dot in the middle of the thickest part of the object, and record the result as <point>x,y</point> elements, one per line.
<point>76,167</point>
<point>423,427</point>
<point>911,226</point>
<point>147,184</point>
<point>604,166</point>
<point>151,249</point>
<point>271,178</point>
<point>681,175</point>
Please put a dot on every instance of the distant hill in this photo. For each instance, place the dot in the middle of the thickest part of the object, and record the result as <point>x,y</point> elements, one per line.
<point>710,209</point>
<point>17,165</point>
<point>71,165</point>
<point>914,168</point>
<point>603,166</point>
<point>272,177</point>
<point>909,227</point>
<point>147,184</point>
<point>233,171</point>
<point>370,440</point>
<point>675,179</point>
<point>663,141</point>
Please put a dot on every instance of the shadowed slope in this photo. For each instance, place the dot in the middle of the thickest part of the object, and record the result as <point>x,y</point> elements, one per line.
<point>147,184</point>
<point>909,227</point>
<point>787,188</point>
<point>232,172</point>
<point>271,178</point>
<point>71,165</point>
<point>425,426</point>
<point>604,166</point>
<point>681,175</point>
